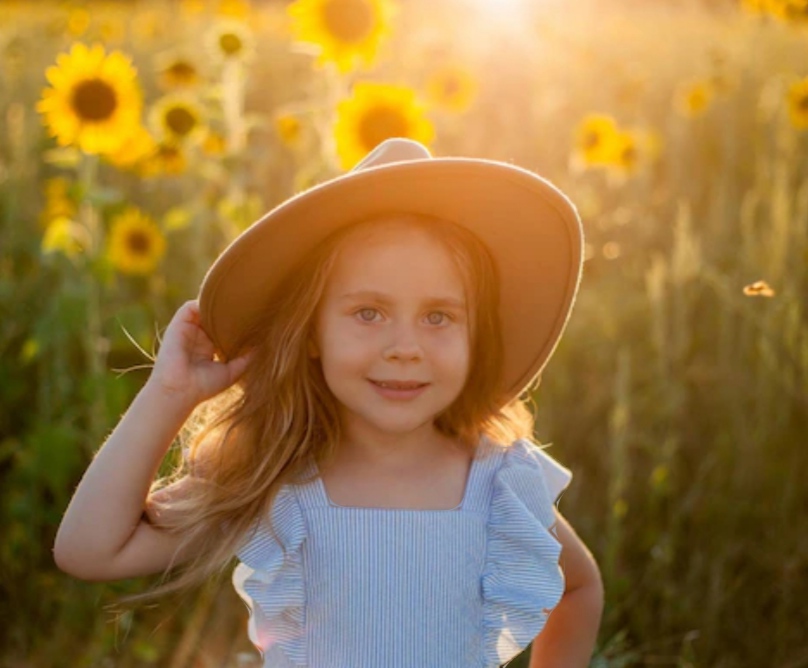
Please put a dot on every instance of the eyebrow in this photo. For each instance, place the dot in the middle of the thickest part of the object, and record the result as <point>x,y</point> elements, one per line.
<point>385,299</point>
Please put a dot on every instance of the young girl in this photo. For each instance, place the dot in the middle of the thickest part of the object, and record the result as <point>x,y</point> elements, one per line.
<point>367,456</point>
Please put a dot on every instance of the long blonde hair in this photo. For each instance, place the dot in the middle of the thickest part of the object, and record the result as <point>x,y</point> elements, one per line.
<point>246,443</point>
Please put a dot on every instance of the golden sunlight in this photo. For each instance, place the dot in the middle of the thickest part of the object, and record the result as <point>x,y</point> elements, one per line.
<point>502,9</point>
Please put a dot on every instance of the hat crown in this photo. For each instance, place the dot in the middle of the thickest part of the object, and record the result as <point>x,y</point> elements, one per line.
<point>396,149</point>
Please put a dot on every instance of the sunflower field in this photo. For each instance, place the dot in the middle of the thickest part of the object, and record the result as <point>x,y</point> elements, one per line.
<point>138,138</point>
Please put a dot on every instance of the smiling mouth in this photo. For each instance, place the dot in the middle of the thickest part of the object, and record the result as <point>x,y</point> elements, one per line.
<point>398,384</point>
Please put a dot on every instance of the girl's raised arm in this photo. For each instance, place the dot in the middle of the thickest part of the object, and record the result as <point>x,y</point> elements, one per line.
<point>102,535</point>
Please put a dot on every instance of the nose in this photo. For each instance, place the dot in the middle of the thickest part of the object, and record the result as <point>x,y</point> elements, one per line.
<point>403,344</point>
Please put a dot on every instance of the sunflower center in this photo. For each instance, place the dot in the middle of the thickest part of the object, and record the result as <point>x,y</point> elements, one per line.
<point>94,100</point>
<point>168,153</point>
<point>629,156</point>
<point>182,70</point>
<point>138,242</point>
<point>381,123</point>
<point>230,44</point>
<point>348,20</point>
<point>697,99</point>
<point>591,139</point>
<point>451,86</point>
<point>180,121</point>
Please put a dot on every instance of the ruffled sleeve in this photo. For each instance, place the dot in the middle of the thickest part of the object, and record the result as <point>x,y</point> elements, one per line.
<point>522,580</point>
<point>270,581</point>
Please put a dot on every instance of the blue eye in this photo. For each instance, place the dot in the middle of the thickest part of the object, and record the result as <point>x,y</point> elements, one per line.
<point>443,316</point>
<point>364,311</point>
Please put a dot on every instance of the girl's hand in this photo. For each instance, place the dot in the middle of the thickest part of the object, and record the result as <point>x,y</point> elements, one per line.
<point>185,366</point>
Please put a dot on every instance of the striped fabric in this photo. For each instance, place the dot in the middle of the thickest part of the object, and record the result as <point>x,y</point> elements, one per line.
<point>366,587</point>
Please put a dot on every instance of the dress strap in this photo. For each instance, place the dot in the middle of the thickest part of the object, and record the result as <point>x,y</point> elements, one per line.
<point>486,463</point>
<point>312,494</point>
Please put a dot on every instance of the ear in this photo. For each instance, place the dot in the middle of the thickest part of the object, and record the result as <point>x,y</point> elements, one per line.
<point>314,351</point>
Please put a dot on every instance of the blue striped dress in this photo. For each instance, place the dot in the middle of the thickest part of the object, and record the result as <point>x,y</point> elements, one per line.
<point>353,587</point>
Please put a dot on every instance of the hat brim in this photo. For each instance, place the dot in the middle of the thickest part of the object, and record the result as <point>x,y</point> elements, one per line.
<point>532,229</point>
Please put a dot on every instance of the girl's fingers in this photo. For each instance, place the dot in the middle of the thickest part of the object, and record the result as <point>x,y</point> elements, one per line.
<point>238,365</point>
<point>193,310</point>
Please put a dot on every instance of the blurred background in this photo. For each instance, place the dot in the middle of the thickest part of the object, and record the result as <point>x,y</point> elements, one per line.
<point>138,138</point>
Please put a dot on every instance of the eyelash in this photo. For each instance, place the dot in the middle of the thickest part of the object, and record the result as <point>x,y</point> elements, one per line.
<point>448,316</point>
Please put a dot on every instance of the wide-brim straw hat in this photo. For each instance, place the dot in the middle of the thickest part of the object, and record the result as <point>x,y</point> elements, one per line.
<point>531,228</point>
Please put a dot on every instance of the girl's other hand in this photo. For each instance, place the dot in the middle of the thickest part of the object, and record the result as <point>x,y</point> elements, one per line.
<point>185,367</point>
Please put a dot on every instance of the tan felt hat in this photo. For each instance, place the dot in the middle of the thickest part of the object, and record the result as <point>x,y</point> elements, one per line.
<point>531,228</point>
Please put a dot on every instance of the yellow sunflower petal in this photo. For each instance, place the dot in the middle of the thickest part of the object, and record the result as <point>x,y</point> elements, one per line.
<point>236,8</point>
<point>78,21</point>
<point>289,129</point>
<point>138,146</point>
<point>376,112</point>
<point>177,71</point>
<point>94,102</point>
<point>136,244</point>
<point>452,87</point>
<point>178,117</point>
<point>168,158</point>
<point>693,98</point>
<point>231,40</point>
<point>347,32</point>
<point>597,140</point>
<point>797,103</point>
<point>64,236</point>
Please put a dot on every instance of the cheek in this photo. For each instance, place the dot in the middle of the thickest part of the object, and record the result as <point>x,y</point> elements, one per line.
<point>344,345</point>
<point>453,351</point>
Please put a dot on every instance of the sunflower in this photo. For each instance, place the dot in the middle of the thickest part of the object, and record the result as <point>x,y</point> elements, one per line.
<point>138,145</point>
<point>147,26</point>
<point>797,11</point>
<point>240,9</point>
<point>452,87</point>
<point>112,29</point>
<point>755,6</point>
<point>215,143</point>
<point>136,244</point>
<point>95,101</point>
<point>77,22</point>
<point>633,150</point>
<point>789,10</point>
<point>178,117</point>
<point>798,104</point>
<point>65,236</point>
<point>376,112</point>
<point>597,140</point>
<point>167,158</point>
<point>626,156</point>
<point>693,98</point>
<point>288,128</point>
<point>58,201</point>
<point>177,71</point>
<point>193,7</point>
<point>346,31</point>
<point>231,40</point>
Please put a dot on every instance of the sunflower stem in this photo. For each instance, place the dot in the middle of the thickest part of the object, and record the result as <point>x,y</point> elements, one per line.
<point>94,343</point>
<point>234,79</point>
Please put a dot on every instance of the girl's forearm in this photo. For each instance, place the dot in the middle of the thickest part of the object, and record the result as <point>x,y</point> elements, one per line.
<point>568,638</point>
<point>108,502</point>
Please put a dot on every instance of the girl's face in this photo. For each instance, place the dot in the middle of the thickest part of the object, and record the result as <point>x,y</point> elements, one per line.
<point>393,314</point>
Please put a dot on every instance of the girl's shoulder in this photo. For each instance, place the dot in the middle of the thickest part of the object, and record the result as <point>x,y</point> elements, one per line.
<point>526,466</point>
<point>521,580</point>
